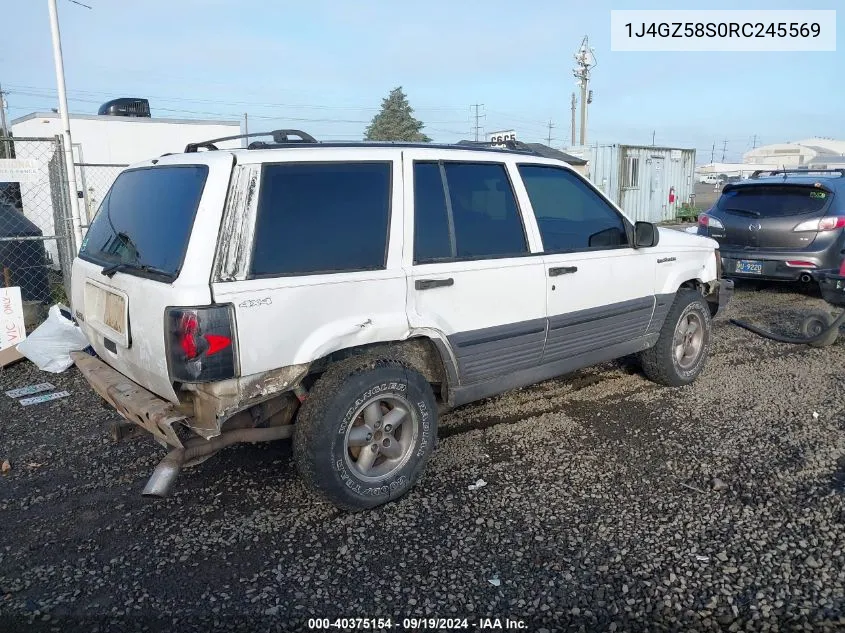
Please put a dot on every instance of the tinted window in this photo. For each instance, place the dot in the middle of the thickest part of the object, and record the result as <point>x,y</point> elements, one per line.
<point>431,220</point>
<point>570,215</point>
<point>771,201</point>
<point>322,217</point>
<point>146,218</point>
<point>482,207</point>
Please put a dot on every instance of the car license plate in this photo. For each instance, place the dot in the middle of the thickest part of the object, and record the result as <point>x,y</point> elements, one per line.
<point>749,267</point>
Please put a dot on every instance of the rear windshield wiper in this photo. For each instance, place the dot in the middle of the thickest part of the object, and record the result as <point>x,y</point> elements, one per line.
<point>755,214</point>
<point>110,271</point>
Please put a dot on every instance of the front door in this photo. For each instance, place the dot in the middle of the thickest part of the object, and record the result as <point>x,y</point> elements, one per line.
<point>599,290</point>
<point>471,278</point>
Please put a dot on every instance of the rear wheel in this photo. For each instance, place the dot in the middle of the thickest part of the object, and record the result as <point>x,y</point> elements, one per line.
<point>817,322</point>
<point>365,432</point>
<point>682,348</point>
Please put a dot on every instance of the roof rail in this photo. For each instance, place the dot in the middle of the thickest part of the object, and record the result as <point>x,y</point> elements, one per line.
<point>279,136</point>
<point>785,172</point>
<point>509,144</point>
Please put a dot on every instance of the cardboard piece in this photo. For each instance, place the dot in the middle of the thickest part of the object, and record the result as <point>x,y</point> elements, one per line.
<point>12,330</point>
<point>9,356</point>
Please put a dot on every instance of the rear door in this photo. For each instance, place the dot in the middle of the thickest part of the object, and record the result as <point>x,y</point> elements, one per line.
<point>766,215</point>
<point>599,290</point>
<point>314,261</point>
<point>472,278</point>
<point>157,230</point>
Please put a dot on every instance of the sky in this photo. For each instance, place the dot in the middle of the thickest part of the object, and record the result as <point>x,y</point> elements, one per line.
<point>325,65</point>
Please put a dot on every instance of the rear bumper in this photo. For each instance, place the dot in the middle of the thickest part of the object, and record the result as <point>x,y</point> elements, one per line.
<point>132,401</point>
<point>774,262</point>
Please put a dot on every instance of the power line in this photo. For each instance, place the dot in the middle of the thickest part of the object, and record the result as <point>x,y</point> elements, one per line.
<point>478,117</point>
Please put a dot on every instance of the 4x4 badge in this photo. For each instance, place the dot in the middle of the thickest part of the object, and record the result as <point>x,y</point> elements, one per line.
<point>255,303</point>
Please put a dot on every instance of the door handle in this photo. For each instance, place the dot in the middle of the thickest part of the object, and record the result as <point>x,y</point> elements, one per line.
<point>562,270</point>
<point>425,284</point>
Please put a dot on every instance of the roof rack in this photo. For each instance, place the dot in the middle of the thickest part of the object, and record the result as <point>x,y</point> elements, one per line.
<point>785,172</point>
<point>280,137</point>
<point>509,145</point>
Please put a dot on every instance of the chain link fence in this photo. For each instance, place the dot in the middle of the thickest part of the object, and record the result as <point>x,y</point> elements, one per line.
<point>36,233</point>
<point>94,181</point>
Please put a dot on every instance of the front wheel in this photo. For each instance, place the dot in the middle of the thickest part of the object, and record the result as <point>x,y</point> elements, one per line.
<point>365,432</point>
<point>683,345</point>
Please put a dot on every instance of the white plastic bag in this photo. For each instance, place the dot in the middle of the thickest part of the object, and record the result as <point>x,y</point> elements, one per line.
<point>50,344</point>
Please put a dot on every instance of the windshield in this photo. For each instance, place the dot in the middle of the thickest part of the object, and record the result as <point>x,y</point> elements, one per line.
<point>146,218</point>
<point>773,201</point>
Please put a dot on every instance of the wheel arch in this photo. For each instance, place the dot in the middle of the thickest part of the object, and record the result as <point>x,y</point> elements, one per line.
<point>430,355</point>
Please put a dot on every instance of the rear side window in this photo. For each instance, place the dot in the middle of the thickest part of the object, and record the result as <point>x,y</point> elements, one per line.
<point>478,218</point>
<point>570,215</point>
<point>321,218</point>
<point>774,201</point>
<point>146,218</point>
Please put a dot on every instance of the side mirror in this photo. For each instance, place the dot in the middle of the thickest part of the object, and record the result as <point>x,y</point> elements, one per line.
<point>646,235</point>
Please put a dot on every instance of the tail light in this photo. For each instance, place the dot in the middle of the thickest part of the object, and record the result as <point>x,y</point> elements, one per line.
<point>201,345</point>
<point>708,221</point>
<point>828,223</point>
<point>800,263</point>
<point>842,268</point>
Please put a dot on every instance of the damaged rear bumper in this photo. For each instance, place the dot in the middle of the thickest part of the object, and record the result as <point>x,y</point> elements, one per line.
<point>203,407</point>
<point>132,401</point>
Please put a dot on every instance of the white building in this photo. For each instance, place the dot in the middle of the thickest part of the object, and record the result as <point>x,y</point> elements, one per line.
<point>102,146</point>
<point>811,152</point>
<point>103,139</point>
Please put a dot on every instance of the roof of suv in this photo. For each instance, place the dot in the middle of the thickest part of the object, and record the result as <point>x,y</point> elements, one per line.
<point>282,140</point>
<point>832,179</point>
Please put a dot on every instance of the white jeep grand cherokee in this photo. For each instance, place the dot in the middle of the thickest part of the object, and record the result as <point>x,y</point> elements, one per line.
<point>344,294</point>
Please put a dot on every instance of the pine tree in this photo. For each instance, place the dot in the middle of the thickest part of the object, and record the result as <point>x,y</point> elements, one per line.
<point>396,122</point>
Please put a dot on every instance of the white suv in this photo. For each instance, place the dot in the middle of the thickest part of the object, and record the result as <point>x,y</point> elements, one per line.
<point>345,294</point>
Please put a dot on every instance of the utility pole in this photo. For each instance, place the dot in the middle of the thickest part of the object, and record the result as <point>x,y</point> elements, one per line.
<point>724,149</point>
<point>478,116</point>
<point>63,113</point>
<point>573,119</point>
<point>246,129</point>
<point>653,133</point>
<point>585,61</point>
<point>713,153</point>
<point>551,125</point>
<point>754,144</point>
<point>5,130</point>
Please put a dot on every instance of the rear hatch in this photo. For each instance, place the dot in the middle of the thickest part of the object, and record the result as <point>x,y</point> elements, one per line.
<point>150,247</point>
<point>765,215</point>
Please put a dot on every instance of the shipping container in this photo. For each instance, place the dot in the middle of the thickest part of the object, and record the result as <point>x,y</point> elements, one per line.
<point>649,183</point>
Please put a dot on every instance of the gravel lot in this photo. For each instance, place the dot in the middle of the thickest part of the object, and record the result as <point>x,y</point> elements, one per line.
<point>599,511</point>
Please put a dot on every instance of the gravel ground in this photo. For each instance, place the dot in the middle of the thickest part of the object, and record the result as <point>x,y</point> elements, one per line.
<point>611,504</point>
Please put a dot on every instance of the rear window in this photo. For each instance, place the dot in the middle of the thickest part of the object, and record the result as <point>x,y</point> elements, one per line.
<point>146,218</point>
<point>773,201</point>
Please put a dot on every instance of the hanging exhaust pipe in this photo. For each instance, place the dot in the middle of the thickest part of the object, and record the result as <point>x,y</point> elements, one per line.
<point>165,474</point>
